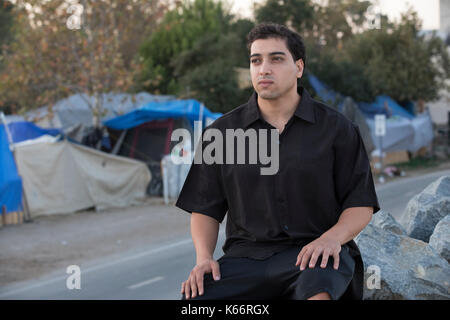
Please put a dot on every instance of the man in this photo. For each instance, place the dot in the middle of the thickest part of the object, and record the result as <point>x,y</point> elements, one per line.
<point>289,234</point>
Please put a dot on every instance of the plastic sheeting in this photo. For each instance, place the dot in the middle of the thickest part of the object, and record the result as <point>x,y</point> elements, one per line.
<point>404,131</point>
<point>404,134</point>
<point>10,181</point>
<point>75,109</point>
<point>190,109</point>
<point>24,130</point>
<point>369,109</point>
<point>62,177</point>
<point>378,107</point>
<point>175,172</point>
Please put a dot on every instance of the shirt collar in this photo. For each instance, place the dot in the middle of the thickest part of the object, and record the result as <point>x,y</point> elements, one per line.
<point>305,109</point>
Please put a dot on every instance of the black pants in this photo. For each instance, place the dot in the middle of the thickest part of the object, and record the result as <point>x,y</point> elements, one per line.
<point>277,278</point>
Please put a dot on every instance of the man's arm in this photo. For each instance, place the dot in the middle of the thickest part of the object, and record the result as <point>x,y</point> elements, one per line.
<point>351,222</point>
<point>204,230</point>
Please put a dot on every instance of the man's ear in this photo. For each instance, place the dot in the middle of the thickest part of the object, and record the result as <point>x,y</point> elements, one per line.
<point>300,67</point>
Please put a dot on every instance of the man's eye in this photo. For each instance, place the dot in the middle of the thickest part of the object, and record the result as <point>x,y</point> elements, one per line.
<point>254,60</point>
<point>277,59</point>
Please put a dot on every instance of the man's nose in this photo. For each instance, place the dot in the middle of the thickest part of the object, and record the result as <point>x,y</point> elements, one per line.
<point>265,68</point>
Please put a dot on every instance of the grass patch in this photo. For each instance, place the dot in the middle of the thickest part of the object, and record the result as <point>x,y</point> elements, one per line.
<point>418,163</point>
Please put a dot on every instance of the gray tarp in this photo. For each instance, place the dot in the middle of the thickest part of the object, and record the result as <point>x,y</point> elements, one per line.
<point>63,177</point>
<point>352,112</point>
<point>404,134</point>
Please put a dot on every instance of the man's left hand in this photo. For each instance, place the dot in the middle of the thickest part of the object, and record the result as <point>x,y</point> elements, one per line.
<point>325,246</point>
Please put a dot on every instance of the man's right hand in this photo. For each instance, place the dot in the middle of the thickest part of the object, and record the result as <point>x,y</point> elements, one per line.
<point>194,284</point>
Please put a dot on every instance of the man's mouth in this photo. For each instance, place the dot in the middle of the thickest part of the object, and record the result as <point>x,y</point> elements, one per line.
<point>265,83</point>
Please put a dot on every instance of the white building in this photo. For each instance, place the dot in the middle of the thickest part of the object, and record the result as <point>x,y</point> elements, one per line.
<point>444,16</point>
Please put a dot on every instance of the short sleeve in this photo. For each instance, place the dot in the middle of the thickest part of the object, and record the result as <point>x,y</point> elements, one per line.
<point>202,191</point>
<point>352,173</point>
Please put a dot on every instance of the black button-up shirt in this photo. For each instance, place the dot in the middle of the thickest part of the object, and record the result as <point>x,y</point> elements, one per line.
<point>323,169</point>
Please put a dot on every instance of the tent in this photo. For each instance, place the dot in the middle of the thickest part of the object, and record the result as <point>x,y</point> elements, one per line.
<point>75,109</point>
<point>404,131</point>
<point>10,180</point>
<point>145,133</point>
<point>369,109</point>
<point>64,177</point>
<point>190,109</point>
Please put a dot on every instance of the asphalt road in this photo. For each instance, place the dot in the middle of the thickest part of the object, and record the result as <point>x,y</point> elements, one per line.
<point>157,272</point>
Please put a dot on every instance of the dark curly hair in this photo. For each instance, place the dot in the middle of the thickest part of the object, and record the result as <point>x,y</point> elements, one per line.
<point>268,30</point>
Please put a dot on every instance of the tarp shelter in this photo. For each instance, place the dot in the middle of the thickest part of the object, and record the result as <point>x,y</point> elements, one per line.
<point>404,134</point>
<point>404,131</point>
<point>190,109</point>
<point>328,95</point>
<point>24,130</point>
<point>75,109</point>
<point>10,180</point>
<point>64,177</point>
<point>145,133</point>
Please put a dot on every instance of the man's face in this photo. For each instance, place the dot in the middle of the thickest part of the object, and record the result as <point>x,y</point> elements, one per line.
<point>273,69</point>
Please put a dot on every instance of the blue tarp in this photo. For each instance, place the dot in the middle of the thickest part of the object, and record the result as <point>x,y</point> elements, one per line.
<point>189,109</point>
<point>326,94</point>
<point>24,130</point>
<point>404,131</point>
<point>368,109</point>
<point>10,181</point>
<point>377,107</point>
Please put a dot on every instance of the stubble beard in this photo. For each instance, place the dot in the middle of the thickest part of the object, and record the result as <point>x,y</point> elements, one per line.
<point>272,94</point>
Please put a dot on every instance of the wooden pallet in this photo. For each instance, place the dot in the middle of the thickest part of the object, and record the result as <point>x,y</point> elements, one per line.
<point>11,218</point>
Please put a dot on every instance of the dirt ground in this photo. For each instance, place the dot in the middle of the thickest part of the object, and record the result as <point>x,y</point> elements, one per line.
<point>32,249</point>
<point>46,244</point>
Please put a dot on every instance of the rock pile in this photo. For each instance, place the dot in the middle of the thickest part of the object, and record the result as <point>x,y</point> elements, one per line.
<point>409,260</point>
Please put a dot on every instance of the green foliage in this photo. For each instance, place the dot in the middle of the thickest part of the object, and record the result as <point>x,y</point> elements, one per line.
<point>207,72</point>
<point>296,13</point>
<point>398,62</point>
<point>6,21</point>
<point>193,55</point>
<point>6,24</point>
<point>241,28</point>
<point>343,76</point>
<point>178,32</point>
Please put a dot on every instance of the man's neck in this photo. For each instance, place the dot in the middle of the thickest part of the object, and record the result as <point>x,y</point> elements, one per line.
<point>278,111</point>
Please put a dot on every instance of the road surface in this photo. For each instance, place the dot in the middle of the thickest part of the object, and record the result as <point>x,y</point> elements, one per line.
<point>157,272</point>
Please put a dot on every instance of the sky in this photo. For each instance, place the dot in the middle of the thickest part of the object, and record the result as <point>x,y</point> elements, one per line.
<point>428,10</point>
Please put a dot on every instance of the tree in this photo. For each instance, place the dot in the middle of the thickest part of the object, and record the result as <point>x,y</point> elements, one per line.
<point>6,36</point>
<point>193,55</point>
<point>6,22</point>
<point>398,61</point>
<point>180,29</point>
<point>49,61</point>
<point>297,14</point>
<point>208,70</point>
<point>355,60</point>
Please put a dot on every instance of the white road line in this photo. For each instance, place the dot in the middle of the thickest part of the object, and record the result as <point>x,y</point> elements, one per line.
<point>144,283</point>
<point>101,266</point>
<point>105,265</point>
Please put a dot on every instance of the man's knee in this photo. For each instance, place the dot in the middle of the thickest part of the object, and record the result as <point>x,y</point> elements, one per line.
<point>320,296</point>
